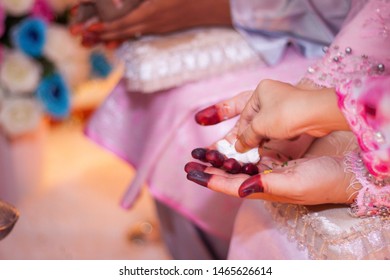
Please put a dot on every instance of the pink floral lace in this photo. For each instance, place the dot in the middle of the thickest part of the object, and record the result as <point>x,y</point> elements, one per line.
<point>358,65</point>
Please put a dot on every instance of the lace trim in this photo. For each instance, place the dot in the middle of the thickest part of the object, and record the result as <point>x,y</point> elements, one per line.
<point>374,196</point>
<point>325,237</point>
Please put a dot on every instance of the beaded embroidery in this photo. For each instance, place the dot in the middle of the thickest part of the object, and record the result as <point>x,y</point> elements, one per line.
<point>349,71</point>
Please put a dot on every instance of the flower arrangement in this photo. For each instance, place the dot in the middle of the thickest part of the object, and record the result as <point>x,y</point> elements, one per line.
<point>41,63</point>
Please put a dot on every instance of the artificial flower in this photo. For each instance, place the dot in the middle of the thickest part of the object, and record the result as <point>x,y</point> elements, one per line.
<point>41,9</point>
<point>100,65</point>
<point>72,61</point>
<point>30,36</point>
<point>19,74</point>
<point>20,115</point>
<point>17,7</point>
<point>57,37</point>
<point>54,94</point>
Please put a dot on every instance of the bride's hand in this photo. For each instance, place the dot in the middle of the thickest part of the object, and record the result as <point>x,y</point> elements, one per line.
<point>306,181</point>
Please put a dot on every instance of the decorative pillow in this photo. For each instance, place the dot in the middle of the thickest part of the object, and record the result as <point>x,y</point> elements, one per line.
<point>161,62</point>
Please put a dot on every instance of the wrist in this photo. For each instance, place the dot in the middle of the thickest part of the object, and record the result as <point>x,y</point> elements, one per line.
<point>321,114</point>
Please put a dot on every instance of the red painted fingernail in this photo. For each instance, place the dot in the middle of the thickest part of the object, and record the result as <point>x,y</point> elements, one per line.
<point>96,27</point>
<point>76,29</point>
<point>232,166</point>
<point>194,166</point>
<point>208,116</point>
<point>199,153</point>
<point>215,158</point>
<point>89,39</point>
<point>73,10</point>
<point>112,44</point>
<point>199,177</point>
<point>250,186</point>
<point>250,169</point>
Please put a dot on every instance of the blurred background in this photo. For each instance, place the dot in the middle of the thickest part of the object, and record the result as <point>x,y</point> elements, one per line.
<point>66,188</point>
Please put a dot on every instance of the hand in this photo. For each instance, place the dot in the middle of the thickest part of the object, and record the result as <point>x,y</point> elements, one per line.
<point>278,110</point>
<point>162,16</point>
<point>279,150</point>
<point>314,179</point>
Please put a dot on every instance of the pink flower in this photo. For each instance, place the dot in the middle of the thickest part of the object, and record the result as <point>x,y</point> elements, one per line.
<point>2,19</point>
<point>41,9</point>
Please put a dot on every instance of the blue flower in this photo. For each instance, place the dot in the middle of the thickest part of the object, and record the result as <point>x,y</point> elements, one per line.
<point>99,64</point>
<point>54,94</point>
<point>30,36</point>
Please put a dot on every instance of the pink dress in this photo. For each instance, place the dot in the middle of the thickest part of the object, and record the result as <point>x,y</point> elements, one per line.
<point>357,64</point>
<point>156,133</point>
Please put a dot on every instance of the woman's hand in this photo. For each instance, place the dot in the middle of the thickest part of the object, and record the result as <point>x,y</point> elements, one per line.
<point>278,110</point>
<point>314,179</point>
<point>162,16</point>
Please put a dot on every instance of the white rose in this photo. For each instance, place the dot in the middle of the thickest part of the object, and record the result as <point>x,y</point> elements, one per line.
<point>20,115</point>
<point>19,74</point>
<point>68,55</point>
<point>74,72</point>
<point>17,7</point>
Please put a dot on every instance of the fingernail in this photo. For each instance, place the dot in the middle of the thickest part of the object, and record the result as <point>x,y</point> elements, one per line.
<point>73,10</point>
<point>215,158</point>
<point>232,166</point>
<point>89,40</point>
<point>240,146</point>
<point>250,169</point>
<point>250,186</point>
<point>199,177</point>
<point>194,166</point>
<point>199,153</point>
<point>112,44</point>
<point>96,27</point>
<point>76,29</point>
<point>208,116</point>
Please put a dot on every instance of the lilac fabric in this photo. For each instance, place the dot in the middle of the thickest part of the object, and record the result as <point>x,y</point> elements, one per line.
<point>269,26</point>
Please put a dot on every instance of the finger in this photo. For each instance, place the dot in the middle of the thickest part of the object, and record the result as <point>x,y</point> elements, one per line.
<point>249,112</point>
<point>199,154</point>
<point>232,166</point>
<point>224,110</point>
<point>124,33</point>
<point>249,139</point>
<point>282,182</point>
<point>190,166</point>
<point>211,156</point>
<point>139,15</point>
<point>228,184</point>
